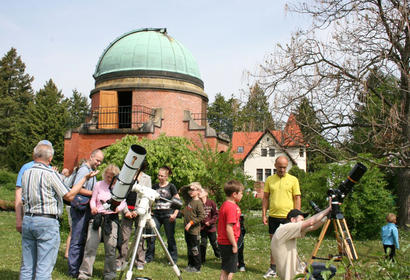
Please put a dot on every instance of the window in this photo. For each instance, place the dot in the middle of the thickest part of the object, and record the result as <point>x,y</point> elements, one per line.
<point>268,172</point>
<point>301,152</point>
<point>264,152</point>
<point>271,152</point>
<point>259,175</point>
<point>274,171</point>
<point>240,150</point>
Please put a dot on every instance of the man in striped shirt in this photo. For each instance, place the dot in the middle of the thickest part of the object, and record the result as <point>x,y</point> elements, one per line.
<point>43,193</point>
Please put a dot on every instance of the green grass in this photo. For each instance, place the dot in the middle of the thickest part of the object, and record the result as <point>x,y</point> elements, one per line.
<point>370,264</point>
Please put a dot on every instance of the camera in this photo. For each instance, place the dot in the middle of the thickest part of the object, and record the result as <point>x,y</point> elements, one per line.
<point>346,186</point>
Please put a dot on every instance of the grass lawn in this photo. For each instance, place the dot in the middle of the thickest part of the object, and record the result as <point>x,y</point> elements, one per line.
<point>370,265</point>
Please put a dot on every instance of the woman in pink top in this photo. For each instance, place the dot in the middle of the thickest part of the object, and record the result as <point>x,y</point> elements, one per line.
<point>105,223</point>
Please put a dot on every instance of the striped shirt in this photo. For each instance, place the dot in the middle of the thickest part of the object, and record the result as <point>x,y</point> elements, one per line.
<point>43,190</point>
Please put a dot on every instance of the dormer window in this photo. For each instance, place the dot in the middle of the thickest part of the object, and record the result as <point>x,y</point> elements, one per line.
<point>240,150</point>
<point>301,152</point>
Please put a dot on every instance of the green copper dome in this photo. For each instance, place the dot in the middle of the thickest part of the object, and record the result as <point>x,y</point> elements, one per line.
<point>147,52</point>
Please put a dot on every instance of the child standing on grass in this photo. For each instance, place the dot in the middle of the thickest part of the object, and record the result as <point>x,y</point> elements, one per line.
<point>390,235</point>
<point>241,244</point>
<point>193,215</point>
<point>229,229</point>
<point>208,225</point>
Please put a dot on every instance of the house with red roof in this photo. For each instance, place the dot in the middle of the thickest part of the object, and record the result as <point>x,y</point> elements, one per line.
<point>258,150</point>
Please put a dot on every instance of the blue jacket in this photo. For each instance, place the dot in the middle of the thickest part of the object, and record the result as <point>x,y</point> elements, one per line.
<point>390,235</point>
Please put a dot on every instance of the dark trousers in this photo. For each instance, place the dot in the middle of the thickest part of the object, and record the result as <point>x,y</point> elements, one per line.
<point>241,246</point>
<point>392,251</point>
<point>169,228</point>
<point>79,230</point>
<point>204,242</point>
<point>194,257</point>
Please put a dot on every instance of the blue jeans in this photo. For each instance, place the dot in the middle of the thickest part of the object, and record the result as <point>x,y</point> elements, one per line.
<point>169,228</point>
<point>79,229</point>
<point>40,242</point>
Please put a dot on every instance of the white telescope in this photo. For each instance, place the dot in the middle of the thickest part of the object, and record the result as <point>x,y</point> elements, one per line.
<point>128,174</point>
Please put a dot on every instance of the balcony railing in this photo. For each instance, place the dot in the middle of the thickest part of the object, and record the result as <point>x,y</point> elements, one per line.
<point>120,117</point>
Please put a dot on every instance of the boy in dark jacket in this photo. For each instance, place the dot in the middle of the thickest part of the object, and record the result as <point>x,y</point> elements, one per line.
<point>193,215</point>
<point>208,225</point>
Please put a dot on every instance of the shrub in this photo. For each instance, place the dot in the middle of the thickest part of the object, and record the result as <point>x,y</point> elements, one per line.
<point>249,202</point>
<point>188,162</point>
<point>7,180</point>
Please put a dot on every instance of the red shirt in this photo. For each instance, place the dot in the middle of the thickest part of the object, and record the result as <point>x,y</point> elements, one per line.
<point>228,214</point>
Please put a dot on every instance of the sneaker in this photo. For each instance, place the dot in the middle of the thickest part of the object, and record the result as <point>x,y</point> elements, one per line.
<point>192,269</point>
<point>270,274</point>
<point>242,269</point>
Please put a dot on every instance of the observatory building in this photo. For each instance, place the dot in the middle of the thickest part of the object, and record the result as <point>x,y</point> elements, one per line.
<point>146,84</point>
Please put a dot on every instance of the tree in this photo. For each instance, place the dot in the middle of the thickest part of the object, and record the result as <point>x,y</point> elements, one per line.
<point>310,126</point>
<point>16,95</point>
<point>50,119</point>
<point>222,114</point>
<point>78,108</point>
<point>255,114</point>
<point>332,71</point>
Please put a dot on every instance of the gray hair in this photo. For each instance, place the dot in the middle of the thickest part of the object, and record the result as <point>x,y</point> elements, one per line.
<point>43,151</point>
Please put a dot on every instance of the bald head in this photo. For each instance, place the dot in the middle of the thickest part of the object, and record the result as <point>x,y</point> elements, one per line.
<point>281,164</point>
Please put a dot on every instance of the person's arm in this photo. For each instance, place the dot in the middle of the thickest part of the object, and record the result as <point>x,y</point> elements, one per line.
<point>214,214</point>
<point>315,221</point>
<point>93,200</point>
<point>175,214</point>
<point>265,203</point>
<point>231,237</point>
<point>69,196</point>
<point>18,204</point>
<point>396,237</point>
<point>296,202</point>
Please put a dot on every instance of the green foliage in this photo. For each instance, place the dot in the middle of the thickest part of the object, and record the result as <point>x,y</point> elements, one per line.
<point>78,108</point>
<point>7,185</point>
<point>16,95</point>
<point>220,168</point>
<point>255,115</point>
<point>364,208</point>
<point>175,152</point>
<point>188,162</point>
<point>222,114</point>
<point>249,202</point>
<point>311,129</point>
<point>49,119</point>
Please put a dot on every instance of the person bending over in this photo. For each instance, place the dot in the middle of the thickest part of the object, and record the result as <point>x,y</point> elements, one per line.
<point>284,244</point>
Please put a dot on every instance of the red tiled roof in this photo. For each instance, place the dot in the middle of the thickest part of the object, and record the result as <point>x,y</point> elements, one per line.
<point>291,136</point>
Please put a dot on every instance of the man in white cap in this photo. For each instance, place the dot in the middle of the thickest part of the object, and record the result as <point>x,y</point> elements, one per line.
<point>18,203</point>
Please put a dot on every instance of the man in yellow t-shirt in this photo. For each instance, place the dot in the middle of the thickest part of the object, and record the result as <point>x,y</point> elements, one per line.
<point>281,194</point>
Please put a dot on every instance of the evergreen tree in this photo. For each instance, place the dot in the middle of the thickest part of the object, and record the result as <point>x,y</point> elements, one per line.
<point>78,108</point>
<point>255,115</point>
<point>222,114</point>
<point>16,95</point>
<point>50,119</point>
<point>319,151</point>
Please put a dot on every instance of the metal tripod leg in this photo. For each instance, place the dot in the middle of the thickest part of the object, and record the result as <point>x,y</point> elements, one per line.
<point>174,266</point>
<point>147,219</point>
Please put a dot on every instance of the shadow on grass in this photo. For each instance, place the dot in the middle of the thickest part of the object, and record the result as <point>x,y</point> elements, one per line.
<point>9,274</point>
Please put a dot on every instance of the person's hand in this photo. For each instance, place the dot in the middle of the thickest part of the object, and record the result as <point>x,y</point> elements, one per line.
<point>188,226</point>
<point>264,220</point>
<point>173,217</point>
<point>94,211</point>
<point>92,174</point>
<point>207,224</point>
<point>235,248</point>
<point>55,168</point>
<point>18,227</point>
<point>129,215</point>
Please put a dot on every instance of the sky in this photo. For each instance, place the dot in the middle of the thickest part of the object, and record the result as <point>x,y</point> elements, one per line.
<point>63,40</point>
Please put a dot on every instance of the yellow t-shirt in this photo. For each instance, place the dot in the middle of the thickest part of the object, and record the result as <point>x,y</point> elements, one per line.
<point>281,192</point>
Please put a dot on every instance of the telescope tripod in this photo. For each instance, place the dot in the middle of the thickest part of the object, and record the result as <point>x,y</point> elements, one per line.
<point>146,220</point>
<point>344,241</point>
